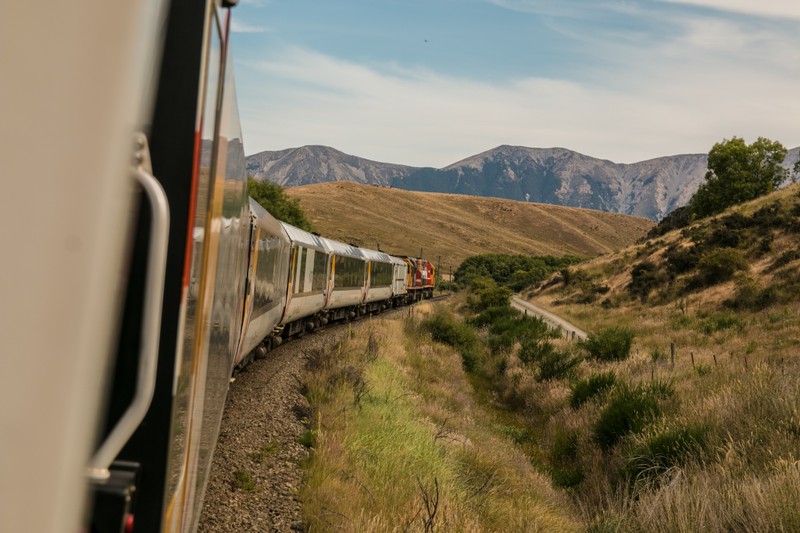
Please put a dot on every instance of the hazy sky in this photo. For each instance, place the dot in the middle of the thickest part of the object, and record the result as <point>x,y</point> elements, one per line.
<point>430,82</point>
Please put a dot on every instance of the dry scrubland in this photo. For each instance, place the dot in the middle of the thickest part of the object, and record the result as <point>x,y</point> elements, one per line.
<point>401,444</point>
<point>456,226</point>
<point>720,450</point>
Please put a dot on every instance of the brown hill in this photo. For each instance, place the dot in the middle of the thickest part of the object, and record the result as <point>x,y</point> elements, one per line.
<point>455,226</point>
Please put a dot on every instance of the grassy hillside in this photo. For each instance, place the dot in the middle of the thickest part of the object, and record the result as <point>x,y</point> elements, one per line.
<point>719,447</point>
<point>455,227</point>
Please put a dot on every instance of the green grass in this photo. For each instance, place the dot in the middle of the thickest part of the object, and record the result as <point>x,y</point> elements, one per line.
<point>243,481</point>
<point>419,436</point>
<point>266,450</point>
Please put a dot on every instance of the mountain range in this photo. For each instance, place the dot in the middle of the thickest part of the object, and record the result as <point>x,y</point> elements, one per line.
<point>557,176</point>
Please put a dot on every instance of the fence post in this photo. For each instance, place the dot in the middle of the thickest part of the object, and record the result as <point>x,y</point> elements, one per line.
<point>672,353</point>
<point>692,354</point>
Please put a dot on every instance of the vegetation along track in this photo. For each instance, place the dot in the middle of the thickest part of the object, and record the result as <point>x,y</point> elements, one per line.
<point>257,468</point>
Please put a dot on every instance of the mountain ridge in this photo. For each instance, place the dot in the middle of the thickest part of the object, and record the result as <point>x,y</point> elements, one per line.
<point>651,188</point>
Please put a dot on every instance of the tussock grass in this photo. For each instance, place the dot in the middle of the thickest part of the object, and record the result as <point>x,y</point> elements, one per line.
<point>718,446</point>
<point>417,453</point>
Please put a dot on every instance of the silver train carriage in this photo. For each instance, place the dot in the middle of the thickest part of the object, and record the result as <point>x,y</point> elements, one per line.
<point>162,284</point>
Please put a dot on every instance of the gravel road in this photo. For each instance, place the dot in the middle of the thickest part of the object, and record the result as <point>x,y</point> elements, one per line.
<point>550,318</point>
<point>263,419</point>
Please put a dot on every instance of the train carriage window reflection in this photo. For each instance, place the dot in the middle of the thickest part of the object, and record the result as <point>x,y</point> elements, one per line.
<point>266,272</point>
<point>380,274</point>
<point>350,273</point>
<point>320,270</point>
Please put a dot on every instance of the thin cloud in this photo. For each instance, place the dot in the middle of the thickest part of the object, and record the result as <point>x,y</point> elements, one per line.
<point>763,8</point>
<point>422,118</point>
<point>237,26</point>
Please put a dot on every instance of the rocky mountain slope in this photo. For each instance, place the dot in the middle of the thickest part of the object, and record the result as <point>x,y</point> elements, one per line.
<point>557,176</point>
<point>320,164</point>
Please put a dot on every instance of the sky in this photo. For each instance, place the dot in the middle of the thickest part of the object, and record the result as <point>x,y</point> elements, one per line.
<point>431,82</point>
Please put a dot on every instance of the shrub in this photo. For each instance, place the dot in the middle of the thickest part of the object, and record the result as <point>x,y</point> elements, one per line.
<point>488,293</point>
<point>507,330</point>
<point>611,344</point>
<point>678,218</point>
<point>664,449</point>
<point>534,350</point>
<point>682,259</point>
<point>645,277</point>
<point>573,276</point>
<point>557,365</point>
<point>492,314</point>
<point>750,295</point>
<point>596,385</point>
<point>724,237</point>
<point>513,271</point>
<point>627,411</point>
<point>719,265</point>
<point>461,336</point>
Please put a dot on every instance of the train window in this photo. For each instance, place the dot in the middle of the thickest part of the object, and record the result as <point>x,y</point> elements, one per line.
<point>349,273</point>
<point>264,297</point>
<point>320,271</point>
<point>380,274</point>
<point>300,275</point>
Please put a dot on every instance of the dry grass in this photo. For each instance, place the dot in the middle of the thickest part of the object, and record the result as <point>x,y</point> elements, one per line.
<point>456,226</point>
<point>417,453</point>
<point>736,375</point>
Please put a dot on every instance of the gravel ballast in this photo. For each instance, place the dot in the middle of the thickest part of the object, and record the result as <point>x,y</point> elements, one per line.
<point>256,472</point>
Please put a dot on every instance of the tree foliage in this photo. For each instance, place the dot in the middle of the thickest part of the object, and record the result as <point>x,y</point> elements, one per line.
<point>513,271</point>
<point>739,172</point>
<point>272,198</point>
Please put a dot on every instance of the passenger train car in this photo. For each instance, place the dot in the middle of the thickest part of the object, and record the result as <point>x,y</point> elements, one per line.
<point>146,274</point>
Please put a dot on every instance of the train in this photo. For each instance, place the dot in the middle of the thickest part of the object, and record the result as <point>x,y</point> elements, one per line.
<point>138,274</point>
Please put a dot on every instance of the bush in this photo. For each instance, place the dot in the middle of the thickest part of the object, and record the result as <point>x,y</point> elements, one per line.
<point>719,265</point>
<point>534,350</point>
<point>508,330</point>
<point>682,259</point>
<point>489,294</point>
<point>679,218</point>
<point>513,271</point>
<point>724,237</point>
<point>628,410</point>
<point>645,277</point>
<point>557,365</point>
<point>611,344</point>
<point>491,315</point>
<point>750,295</point>
<point>596,385</point>
<point>446,329</point>
<point>664,449</point>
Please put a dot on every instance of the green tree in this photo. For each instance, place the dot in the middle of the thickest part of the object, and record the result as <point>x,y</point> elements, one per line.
<point>739,172</point>
<point>272,198</point>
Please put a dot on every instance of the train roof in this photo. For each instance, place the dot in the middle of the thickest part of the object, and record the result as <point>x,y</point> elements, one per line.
<point>375,255</point>
<point>303,237</point>
<point>340,248</point>
<point>266,219</point>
